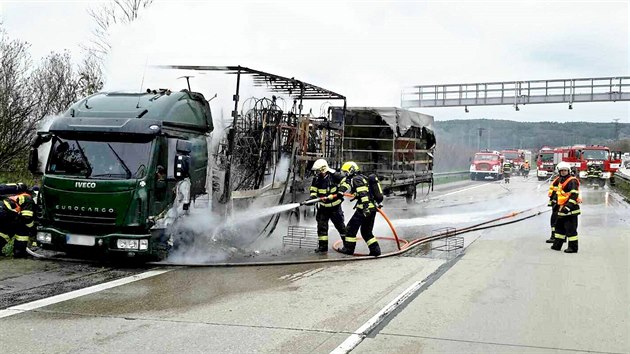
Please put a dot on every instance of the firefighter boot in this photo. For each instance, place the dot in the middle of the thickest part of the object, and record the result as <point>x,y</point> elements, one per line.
<point>551,238</point>
<point>573,247</point>
<point>557,244</point>
<point>19,249</point>
<point>375,249</point>
<point>347,249</point>
<point>322,247</point>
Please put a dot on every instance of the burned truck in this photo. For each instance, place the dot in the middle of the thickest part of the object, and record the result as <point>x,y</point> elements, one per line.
<point>395,144</point>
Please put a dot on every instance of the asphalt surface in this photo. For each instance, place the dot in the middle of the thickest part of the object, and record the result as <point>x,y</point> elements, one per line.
<point>506,292</point>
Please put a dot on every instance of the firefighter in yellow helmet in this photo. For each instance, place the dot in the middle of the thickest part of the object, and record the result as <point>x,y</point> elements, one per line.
<point>365,210</point>
<point>325,188</point>
<point>568,192</point>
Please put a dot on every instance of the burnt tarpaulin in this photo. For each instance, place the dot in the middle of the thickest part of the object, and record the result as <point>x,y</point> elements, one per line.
<point>399,120</point>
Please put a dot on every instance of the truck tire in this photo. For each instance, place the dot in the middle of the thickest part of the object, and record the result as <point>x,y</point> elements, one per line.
<point>409,197</point>
<point>601,183</point>
<point>473,177</point>
<point>541,178</point>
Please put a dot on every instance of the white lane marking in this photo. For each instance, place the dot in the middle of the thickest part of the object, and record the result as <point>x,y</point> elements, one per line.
<point>77,293</point>
<point>357,336</point>
<point>459,190</point>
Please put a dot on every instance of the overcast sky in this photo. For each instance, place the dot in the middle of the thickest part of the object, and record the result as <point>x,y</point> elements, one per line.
<point>365,50</point>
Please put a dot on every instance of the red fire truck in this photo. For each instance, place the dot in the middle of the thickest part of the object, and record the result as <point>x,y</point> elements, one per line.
<point>546,162</point>
<point>487,164</point>
<point>517,158</point>
<point>592,164</point>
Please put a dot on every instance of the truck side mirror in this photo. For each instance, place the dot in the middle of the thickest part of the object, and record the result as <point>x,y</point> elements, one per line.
<point>33,162</point>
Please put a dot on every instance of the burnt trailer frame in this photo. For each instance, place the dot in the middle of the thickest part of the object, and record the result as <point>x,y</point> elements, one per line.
<point>395,144</point>
<point>309,138</point>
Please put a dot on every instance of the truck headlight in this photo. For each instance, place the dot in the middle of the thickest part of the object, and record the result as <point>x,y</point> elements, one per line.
<point>583,174</point>
<point>44,237</point>
<point>495,168</point>
<point>127,244</point>
<point>144,244</point>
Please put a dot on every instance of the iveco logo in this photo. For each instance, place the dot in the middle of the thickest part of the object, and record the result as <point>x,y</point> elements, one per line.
<point>85,184</point>
<point>83,208</point>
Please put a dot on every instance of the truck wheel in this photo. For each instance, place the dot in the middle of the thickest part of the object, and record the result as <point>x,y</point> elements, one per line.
<point>409,197</point>
<point>472,177</point>
<point>601,183</point>
<point>541,178</point>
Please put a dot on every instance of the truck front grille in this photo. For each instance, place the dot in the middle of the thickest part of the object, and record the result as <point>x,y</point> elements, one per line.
<point>483,167</point>
<point>108,220</point>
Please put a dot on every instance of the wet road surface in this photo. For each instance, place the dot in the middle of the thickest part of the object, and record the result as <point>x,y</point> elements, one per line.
<point>507,292</point>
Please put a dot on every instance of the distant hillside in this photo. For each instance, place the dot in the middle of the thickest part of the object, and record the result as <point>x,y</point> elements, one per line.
<point>457,140</point>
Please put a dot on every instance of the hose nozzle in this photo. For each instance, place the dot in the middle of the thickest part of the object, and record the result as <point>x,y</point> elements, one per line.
<point>311,201</point>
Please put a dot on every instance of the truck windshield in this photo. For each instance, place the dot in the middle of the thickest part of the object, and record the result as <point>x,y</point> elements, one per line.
<point>546,157</point>
<point>480,157</point>
<point>595,154</point>
<point>99,159</point>
<point>510,155</point>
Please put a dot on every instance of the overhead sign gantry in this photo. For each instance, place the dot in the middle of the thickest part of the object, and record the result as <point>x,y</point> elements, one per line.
<point>515,93</point>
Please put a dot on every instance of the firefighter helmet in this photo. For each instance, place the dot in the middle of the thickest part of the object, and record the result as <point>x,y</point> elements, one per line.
<point>350,167</point>
<point>563,166</point>
<point>322,166</point>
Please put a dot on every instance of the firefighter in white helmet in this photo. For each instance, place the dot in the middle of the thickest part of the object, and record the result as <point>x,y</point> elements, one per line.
<point>568,196</point>
<point>325,187</point>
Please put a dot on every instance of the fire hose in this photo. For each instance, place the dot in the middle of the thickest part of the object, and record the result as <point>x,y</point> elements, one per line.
<point>405,247</point>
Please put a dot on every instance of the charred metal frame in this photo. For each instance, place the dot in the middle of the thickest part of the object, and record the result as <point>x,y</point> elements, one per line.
<point>298,136</point>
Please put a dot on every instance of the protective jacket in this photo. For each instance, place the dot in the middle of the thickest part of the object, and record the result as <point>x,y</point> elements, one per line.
<point>568,192</point>
<point>25,208</point>
<point>326,186</point>
<point>9,213</point>
<point>553,192</point>
<point>358,186</point>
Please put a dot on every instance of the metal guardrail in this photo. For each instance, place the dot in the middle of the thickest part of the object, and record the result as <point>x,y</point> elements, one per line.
<point>448,174</point>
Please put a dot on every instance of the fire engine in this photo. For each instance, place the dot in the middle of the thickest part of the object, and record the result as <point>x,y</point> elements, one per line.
<point>517,158</point>
<point>546,161</point>
<point>487,164</point>
<point>593,164</point>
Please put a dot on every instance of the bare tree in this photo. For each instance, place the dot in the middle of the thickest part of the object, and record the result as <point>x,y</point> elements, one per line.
<point>17,121</point>
<point>90,76</point>
<point>54,85</point>
<point>107,14</point>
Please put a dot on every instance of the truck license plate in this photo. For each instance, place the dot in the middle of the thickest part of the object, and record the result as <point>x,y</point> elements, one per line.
<point>80,240</point>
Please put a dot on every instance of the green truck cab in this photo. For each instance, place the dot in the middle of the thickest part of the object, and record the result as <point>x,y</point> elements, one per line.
<point>111,169</point>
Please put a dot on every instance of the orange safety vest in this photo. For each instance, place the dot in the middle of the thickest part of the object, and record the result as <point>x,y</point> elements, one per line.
<point>18,202</point>
<point>552,188</point>
<point>563,197</point>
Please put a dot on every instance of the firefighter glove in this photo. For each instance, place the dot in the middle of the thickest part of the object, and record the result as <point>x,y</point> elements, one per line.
<point>379,205</point>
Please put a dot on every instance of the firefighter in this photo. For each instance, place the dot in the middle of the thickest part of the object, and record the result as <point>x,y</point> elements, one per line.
<point>365,210</point>
<point>568,194</point>
<point>325,187</point>
<point>525,169</point>
<point>8,218</point>
<point>507,171</point>
<point>553,203</point>
<point>22,227</point>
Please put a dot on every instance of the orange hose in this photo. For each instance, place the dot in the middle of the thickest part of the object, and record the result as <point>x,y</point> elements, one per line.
<point>391,226</point>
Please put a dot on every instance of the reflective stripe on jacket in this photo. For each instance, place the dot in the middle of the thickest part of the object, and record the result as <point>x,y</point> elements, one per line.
<point>326,186</point>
